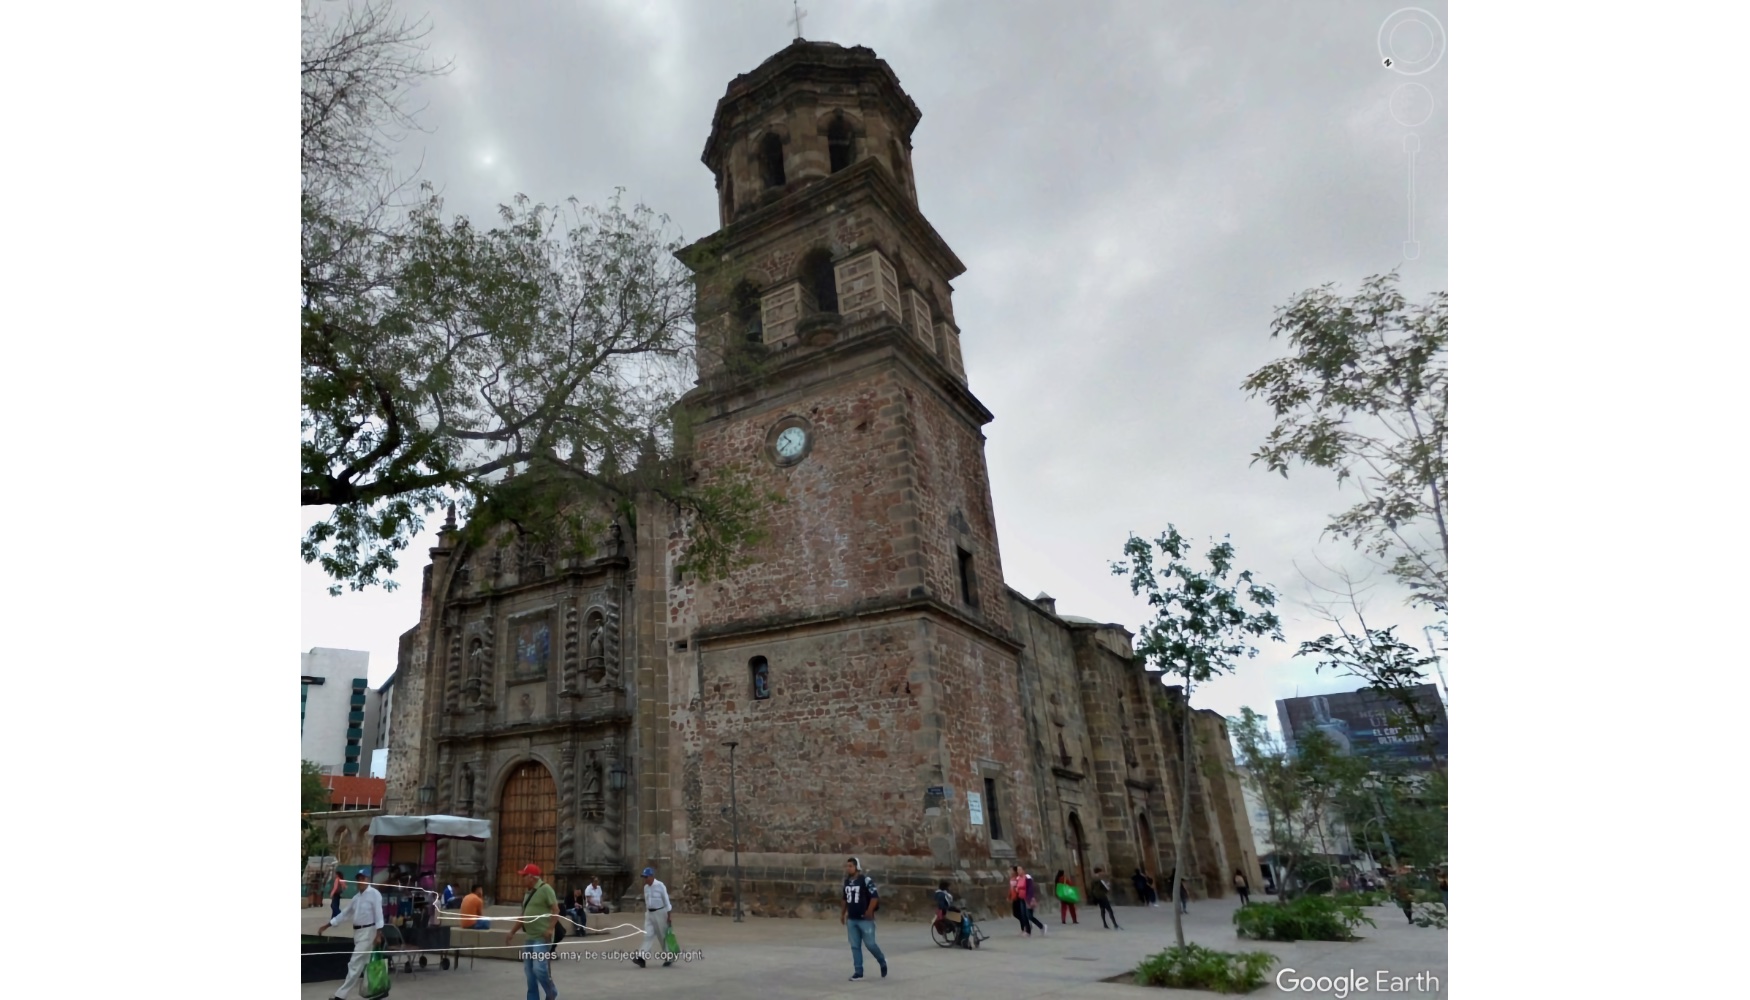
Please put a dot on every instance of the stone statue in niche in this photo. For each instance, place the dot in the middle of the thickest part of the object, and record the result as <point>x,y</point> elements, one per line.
<point>479,667</point>
<point>1130,758</point>
<point>467,790</point>
<point>595,664</point>
<point>1063,751</point>
<point>591,800</point>
<point>526,705</point>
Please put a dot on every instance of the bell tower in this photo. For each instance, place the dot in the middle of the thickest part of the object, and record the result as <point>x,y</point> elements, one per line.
<point>863,662</point>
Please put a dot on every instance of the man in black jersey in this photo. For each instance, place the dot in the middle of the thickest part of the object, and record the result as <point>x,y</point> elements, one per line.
<point>858,916</point>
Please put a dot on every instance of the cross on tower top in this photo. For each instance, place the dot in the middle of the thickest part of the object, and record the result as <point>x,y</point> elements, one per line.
<point>797,17</point>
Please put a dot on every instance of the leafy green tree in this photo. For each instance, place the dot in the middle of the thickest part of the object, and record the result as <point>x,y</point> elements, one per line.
<point>1363,393</point>
<point>442,360</point>
<point>1205,621</point>
<point>1303,794</point>
<point>315,799</point>
<point>1388,666</point>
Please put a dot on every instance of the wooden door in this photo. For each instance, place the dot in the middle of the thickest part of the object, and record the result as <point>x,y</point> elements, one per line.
<point>528,829</point>
<point>1078,849</point>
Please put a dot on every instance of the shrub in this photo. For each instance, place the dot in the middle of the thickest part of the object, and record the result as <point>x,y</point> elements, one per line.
<point>1195,967</point>
<point>1309,918</point>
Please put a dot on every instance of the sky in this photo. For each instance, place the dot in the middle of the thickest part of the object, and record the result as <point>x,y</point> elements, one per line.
<point>1134,188</point>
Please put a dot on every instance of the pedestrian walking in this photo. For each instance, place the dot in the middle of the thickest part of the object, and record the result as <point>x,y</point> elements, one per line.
<point>339,887</point>
<point>658,914</point>
<point>1065,908</point>
<point>1243,886</point>
<point>1101,891</point>
<point>540,914</point>
<point>1184,897</point>
<point>1022,896</point>
<point>858,916</point>
<point>1145,895</point>
<point>365,913</point>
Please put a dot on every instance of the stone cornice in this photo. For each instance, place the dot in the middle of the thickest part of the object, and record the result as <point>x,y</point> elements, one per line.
<point>883,339</point>
<point>879,608</point>
<point>866,181</point>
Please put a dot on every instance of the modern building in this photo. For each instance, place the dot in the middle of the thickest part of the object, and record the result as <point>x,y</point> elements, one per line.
<point>339,715</point>
<point>867,681</point>
<point>1371,724</point>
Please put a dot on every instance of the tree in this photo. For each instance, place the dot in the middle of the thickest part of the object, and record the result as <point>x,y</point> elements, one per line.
<point>1388,666</point>
<point>1202,626</point>
<point>1302,793</point>
<point>1364,394</point>
<point>315,799</point>
<point>441,360</point>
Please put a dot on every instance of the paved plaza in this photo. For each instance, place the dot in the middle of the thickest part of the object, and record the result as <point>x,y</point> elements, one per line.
<point>779,959</point>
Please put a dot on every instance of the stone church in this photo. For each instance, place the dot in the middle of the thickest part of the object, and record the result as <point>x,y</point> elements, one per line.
<point>886,694</point>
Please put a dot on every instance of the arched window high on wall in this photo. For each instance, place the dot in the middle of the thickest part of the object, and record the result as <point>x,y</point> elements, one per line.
<point>838,144</point>
<point>772,161</point>
<point>822,283</point>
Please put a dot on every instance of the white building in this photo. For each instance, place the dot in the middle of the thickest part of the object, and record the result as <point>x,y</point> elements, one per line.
<point>340,715</point>
<point>1329,837</point>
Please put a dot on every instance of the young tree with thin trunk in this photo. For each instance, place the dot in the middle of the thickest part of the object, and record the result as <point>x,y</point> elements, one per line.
<point>1205,621</point>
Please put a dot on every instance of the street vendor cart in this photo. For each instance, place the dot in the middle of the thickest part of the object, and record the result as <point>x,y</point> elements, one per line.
<point>403,866</point>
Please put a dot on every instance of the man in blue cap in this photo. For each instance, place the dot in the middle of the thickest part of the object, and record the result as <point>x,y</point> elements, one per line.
<point>657,910</point>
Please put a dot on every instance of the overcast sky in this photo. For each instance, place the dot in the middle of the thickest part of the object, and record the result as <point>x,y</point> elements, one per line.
<point>1133,187</point>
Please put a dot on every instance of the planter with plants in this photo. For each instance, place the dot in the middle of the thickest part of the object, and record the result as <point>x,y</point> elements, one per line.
<point>1307,918</point>
<point>1194,967</point>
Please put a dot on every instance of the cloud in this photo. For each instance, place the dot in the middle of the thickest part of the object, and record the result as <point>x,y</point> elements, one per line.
<point>1134,189</point>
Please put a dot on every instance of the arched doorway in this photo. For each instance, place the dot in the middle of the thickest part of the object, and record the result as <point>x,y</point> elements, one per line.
<point>1145,844</point>
<point>528,828</point>
<point>1078,852</point>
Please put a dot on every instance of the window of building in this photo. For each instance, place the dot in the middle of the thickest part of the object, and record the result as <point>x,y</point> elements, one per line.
<point>772,161</point>
<point>838,144</point>
<point>745,303</point>
<point>761,674</point>
<point>822,283</point>
<point>991,815</point>
<point>968,581</point>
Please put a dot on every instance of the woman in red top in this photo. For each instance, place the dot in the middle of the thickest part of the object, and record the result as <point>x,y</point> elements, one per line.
<point>1065,908</point>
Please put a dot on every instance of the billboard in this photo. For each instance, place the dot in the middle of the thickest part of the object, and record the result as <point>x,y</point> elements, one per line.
<point>1367,723</point>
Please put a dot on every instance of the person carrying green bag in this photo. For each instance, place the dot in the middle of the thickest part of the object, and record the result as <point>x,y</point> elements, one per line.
<point>657,913</point>
<point>1067,898</point>
<point>365,913</point>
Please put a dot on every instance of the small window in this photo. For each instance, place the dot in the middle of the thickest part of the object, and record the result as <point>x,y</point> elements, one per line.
<point>991,815</point>
<point>968,583</point>
<point>761,674</point>
<point>822,282</point>
<point>772,161</point>
<point>746,303</point>
<point>838,144</point>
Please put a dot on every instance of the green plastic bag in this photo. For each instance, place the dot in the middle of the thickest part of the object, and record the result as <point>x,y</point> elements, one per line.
<point>670,943</point>
<point>376,976</point>
<point>1067,893</point>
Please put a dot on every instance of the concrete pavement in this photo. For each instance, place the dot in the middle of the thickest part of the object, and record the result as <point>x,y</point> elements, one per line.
<point>781,959</point>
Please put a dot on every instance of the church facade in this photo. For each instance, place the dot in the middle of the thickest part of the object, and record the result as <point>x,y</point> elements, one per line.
<point>886,695</point>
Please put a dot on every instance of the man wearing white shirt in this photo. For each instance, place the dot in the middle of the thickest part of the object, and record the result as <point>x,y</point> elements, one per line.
<point>592,897</point>
<point>657,909</point>
<point>365,913</point>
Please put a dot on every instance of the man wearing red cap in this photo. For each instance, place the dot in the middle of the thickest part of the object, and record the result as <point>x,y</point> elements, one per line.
<point>540,910</point>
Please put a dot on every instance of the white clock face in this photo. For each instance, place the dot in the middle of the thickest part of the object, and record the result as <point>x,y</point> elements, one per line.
<point>790,442</point>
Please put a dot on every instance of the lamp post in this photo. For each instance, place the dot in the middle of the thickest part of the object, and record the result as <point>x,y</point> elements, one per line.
<point>734,829</point>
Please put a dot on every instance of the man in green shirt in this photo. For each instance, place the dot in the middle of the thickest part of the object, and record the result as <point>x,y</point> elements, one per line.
<point>540,910</point>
